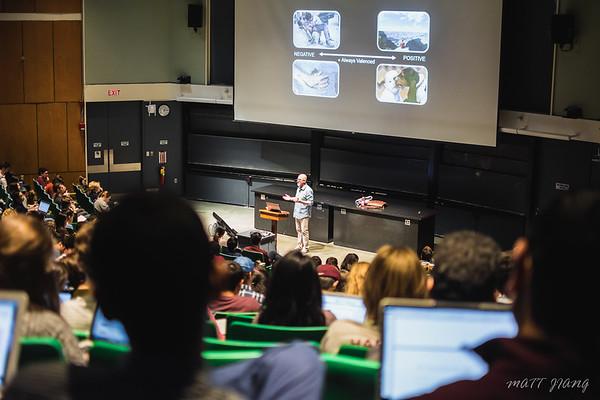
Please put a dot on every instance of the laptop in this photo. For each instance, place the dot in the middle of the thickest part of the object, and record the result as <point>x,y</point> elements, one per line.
<point>345,306</point>
<point>273,206</point>
<point>13,306</point>
<point>426,344</point>
<point>108,330</point>
<point>43,207</point>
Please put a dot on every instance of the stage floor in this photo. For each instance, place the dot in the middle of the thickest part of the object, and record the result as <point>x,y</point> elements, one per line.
<point>241,218</point>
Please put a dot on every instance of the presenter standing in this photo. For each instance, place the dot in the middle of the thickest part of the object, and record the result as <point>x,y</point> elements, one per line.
<point>303,204</point>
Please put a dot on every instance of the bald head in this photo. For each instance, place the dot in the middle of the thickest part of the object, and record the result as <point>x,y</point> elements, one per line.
<point>301,180</point>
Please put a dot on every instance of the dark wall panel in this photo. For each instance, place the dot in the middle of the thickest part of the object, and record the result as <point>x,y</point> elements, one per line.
<point>375,171</point>
<point>249,154</point>
<point>484,188</point>
<point>219,189</point>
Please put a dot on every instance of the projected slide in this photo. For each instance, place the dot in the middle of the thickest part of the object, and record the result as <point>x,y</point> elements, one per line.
<point>409,68</point>
<point>315,78</point>
<point>405,84</point>
<point>316,29</point>
<point>405,31</point>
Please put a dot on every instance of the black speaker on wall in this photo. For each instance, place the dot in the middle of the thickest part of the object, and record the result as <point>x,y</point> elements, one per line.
<point>194,15</point>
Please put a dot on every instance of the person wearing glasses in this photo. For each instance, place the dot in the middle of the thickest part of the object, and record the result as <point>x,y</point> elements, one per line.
<point>303,203</point>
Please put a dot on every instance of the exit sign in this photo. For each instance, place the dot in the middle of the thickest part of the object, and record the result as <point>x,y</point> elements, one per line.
<point>114,92</point>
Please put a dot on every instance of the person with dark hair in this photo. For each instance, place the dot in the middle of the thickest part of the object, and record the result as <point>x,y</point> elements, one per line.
<point>232,249</point>
<point>332,261</point>
<point>77,311</point>
<point>427,254</point>
<point>247,289</point>
<point>294,294</point>
<point>165,331</point>
<point>43,178</point>
<point>228,299</point>
<point>558,342</point>
<point>255,238</point>
<point>465,266</point>
<point>25,254</point>
<point>219,233</point>
<point>316,261</point>
<point>348,262</point>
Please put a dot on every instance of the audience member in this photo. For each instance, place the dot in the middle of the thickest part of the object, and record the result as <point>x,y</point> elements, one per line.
<point>43,178</point>
<point>229,299</point>
<point>76,311</point>
<point>465,267</point>
<point>165,331</point>
<point>219,233</point>
<point>25,253</point>
<point>232,249</point>
<point>355,282</point>
<point>294,294</point>
<point>555,353</point>
<point>3,181</point>
<point>427,254</point>
<point>247,289</point>
<point>332,261</point>
<point>395,272</point>
<point>102,202</point>
<point>329,277</point>
<point>255,238</point>
<point>348,262</point>
<point>316,261</point>
<point>93,190</point>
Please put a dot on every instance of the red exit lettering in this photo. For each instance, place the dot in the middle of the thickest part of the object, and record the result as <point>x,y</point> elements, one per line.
<point>114,92</point>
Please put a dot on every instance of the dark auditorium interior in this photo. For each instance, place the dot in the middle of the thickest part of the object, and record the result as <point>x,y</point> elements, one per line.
<point>137,165</point>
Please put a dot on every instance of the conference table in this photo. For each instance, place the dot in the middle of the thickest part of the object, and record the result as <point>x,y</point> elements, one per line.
<point>335,217</point>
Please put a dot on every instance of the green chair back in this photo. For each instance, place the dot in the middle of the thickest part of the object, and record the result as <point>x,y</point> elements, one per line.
<point>353,351</point>
<point>349,377</point>
<point>107,354</point>
<point>80,334</point>
<point>219,358</point>
<point>272,333</point>
<point>212,344</point>
<point>40,349</point>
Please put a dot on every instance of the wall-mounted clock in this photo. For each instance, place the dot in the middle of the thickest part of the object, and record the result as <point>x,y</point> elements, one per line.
<point>164,110</point>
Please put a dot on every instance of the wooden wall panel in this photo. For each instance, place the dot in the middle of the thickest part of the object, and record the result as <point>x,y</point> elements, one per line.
<point>19,138</point>
<point>21,6</point>
<point>58,6</point>
<point>68,80</point>
<point>52,136</point>
<point>11,65</point>
<point>76,139</point>
<point>39,62</point>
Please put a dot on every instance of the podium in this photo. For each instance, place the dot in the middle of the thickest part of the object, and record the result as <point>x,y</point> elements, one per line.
<point>274,217</point>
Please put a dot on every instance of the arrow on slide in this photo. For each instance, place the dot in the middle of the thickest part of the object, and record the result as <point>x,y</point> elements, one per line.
<point>356,55</point>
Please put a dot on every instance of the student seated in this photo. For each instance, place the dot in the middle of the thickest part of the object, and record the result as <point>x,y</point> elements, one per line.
<point>25,254</point>
<point>255,238</point>
<point>556,350</point>
<point>395,272</point>
<point>228,299</point>
<point>329,277</point>
<point>232,248</point>
<point>294,294</point>
<point>165,328</point>
<point>355,282</point>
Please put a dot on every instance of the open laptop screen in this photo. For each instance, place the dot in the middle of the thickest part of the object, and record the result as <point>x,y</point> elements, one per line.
<point>44,207</point>
<point>9,314</point>
<point>108,330</point>
<point>428,345</point>
<point>345,307</point>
